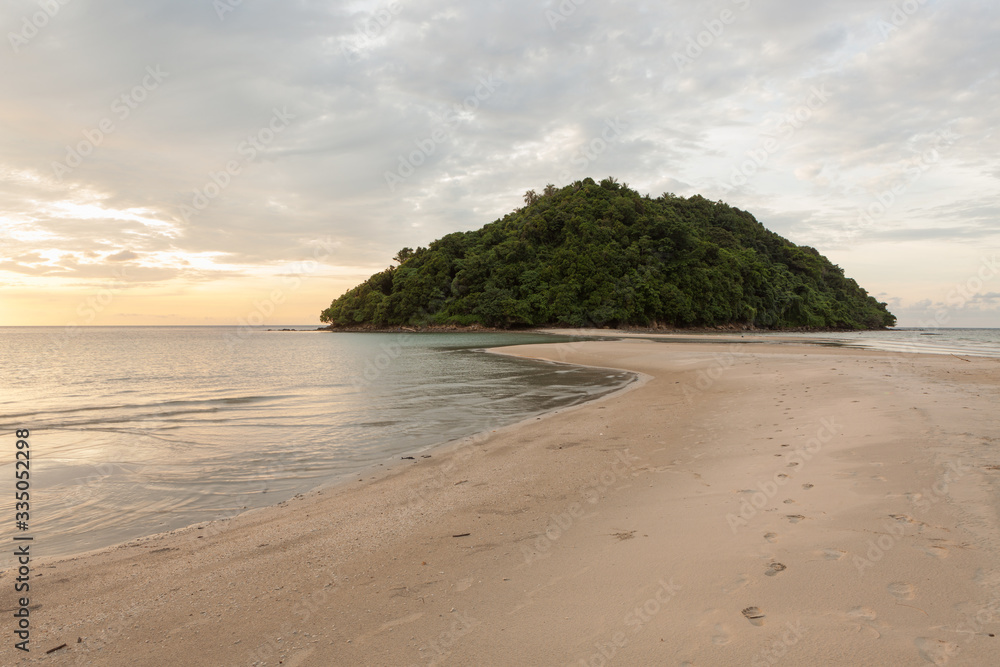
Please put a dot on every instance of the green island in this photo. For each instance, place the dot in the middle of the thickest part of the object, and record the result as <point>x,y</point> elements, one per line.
<point>600,254</point>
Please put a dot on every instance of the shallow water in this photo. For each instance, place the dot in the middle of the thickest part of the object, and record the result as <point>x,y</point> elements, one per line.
<point>960,342</point>
<point>136,430</point>
<point>973,342</point>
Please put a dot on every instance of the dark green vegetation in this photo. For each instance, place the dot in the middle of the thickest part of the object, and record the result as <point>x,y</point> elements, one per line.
<point>602,254</point>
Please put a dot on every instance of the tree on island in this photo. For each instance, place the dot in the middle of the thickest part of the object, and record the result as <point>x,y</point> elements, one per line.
<point>403,255</point>
<point>601,254</point>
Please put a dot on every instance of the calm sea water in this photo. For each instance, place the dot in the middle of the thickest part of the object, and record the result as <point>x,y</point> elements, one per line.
<point>974,342</point>
<point>137,430</point>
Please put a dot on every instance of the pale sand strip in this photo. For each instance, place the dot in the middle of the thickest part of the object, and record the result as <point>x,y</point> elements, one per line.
<point>607,534</point>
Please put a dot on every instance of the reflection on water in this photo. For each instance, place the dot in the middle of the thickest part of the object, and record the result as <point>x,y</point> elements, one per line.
<point>136,430</point>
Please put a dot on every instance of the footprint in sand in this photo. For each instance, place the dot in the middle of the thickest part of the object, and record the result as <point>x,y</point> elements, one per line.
<point>936,651</point>
<point>774,568</point>
<point>863,614</point>
<point>754,615</point>
<point>789,501</point>
<point>771,537</point>
<point>901,590</point>
<point>833,554</point>
<point>865,618</point>
<point>720,635</point>
<point>792,464</point>
<point>807,486</point>
<point>794,518</point>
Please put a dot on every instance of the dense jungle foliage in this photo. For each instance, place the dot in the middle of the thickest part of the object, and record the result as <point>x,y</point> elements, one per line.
<point>600,254</point>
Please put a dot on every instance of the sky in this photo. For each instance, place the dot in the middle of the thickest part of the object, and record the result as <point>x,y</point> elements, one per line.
<point>227,162</point>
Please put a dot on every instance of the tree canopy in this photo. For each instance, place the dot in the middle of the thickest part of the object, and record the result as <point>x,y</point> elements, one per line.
<point>601,254</point>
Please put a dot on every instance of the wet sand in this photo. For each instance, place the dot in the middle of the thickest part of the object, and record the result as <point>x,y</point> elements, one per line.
<point>739,504</point>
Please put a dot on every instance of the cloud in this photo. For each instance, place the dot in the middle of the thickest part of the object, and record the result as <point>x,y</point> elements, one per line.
<point>989,297</point>
<point>30,270</point>
<point>490,99</point>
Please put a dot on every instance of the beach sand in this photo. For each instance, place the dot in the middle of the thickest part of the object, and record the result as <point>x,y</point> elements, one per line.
<point>740,504</point>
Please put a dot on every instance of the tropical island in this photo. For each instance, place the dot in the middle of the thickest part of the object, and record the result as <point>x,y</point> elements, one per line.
<point>600,254</point>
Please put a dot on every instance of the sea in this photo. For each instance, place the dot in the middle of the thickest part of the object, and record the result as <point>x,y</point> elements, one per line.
<point>958,342</point>
<point>140,430</point>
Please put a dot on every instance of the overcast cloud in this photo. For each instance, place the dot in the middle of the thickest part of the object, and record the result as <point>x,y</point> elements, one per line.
<point>209,147</point>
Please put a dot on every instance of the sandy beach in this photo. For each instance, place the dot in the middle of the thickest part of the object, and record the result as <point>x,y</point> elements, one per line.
<point>741,503</point>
